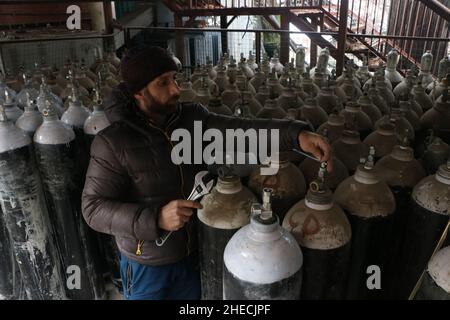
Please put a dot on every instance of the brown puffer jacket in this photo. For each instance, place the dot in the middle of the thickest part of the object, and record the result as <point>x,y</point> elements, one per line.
<point>131,175</point>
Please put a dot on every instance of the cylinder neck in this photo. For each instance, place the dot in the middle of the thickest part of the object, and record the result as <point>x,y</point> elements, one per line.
<point>402,153</point>
<point>443,173</point>
<point>350,137</point>
<point>228,185</point>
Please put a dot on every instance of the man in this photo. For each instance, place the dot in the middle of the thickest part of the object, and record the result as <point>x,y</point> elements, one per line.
<point>136,193</point>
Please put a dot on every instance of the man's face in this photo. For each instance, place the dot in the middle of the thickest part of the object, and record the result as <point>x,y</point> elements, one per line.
<point>161,95</point>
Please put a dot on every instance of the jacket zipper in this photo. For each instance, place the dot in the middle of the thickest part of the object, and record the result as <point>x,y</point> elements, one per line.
<point>141,242</point>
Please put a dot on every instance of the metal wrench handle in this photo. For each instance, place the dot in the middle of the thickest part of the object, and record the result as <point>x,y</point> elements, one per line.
<point>163,239</point>
<point>199,190</point>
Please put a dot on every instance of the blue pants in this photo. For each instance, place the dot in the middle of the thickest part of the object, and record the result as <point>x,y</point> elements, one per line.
<point>176,281</point>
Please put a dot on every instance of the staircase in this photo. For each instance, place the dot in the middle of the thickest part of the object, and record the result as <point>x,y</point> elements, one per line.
<point>370,17</point>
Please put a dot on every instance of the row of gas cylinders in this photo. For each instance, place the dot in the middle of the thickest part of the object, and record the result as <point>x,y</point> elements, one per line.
<point>356,101</point>
<point>48,250</point>
<point>370,239</point>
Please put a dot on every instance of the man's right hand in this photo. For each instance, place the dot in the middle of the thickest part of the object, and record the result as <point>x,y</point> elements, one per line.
<point>176,213</point>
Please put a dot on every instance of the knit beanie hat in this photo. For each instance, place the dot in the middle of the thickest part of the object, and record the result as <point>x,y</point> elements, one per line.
<point>142,66</point>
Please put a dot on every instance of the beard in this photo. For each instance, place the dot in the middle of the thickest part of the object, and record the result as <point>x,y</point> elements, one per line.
<point>154,105</point>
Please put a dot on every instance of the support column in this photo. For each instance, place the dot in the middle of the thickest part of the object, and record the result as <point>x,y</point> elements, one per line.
<point>313,49</point>
<point>284,50</point>
<point>343,13</point>
<point>179,38</point>
<point>223,34</point>
<point>97,16</point>
<point>107,9</point>
<point>258,47</point>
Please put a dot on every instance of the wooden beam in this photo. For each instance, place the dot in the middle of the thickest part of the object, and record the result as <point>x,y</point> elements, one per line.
<point>313,47</point>
<point>272,22</point>
<point>224,34</point>
<point>343,13</point>
<point>231,21</point>
<point>258,47</point>
<point>284,48</point>
<point>179,38</point>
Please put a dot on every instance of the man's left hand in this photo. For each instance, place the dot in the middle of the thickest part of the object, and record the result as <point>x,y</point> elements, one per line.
<point>317,146</point>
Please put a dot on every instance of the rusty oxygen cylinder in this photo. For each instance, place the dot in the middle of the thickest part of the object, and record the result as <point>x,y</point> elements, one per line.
<point>428,217</point>
<point>324,234</point>
<point>369,204</point>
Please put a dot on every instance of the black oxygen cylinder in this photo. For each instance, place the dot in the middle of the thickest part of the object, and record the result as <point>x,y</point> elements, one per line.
<point>96,122</point>
<point>10,279</point>
<point>25,215</point>
<point>324,235</point>
<point>76,116</point>
<point>401,172</point>
<point>225,210</point>
<point>436,281</point>
<point>369,204</point>
<point>427,220</point>
<point>61,175</point>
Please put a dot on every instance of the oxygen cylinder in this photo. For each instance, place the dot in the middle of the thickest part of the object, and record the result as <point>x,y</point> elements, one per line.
<point>401,172</point>
<point>258,80</point>
<point>262,261</point>
<point>392,74</point>
<point>437,153</point>
<point>287,184</point>
<point>309,86</point>
<point>12,111</point>
<point>275,64</point>
<point>427,219</point>
<point>221,78</point>
<point>246,98</point>
<point>309,167</point>
<point>288,98</point>
<point>96,121</point>
<point>271,111</point>
<point>334,127</point>
<point>369,108</point>
<point>31,119</point>
<point>438,118</point>
<point>426,63</point>
<point>422,98</point>
<point>263,93</point>
<point>215,105</point>
<point>46,95</point>
<point>403,127</point>
<point>4,88</point>
<point>230,95</point>
<point>323,232</point>
<point>349,149</point>
<point>26,216</point>
<point>327,100</point>
<point>300,59</point>
<point>357,119</point>
<point>62,176</point>
<point>313,113</point>
<point>383,139</point>
<point>225,210</point>
<point>436,281</point>
<point>10,279</point>
<point>187,94</point>
<point>28,89</point>
<point>369,204</point>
